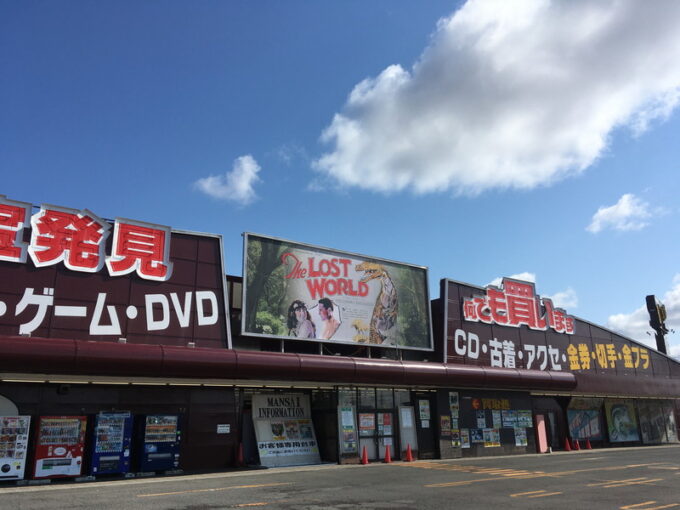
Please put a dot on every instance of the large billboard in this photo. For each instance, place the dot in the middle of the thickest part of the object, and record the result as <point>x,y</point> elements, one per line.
<point>511,326</point>
<point>298,291</point>
<point>67,273</point>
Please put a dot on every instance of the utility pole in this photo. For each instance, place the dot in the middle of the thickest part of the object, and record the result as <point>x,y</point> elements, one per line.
<point>657,320</point>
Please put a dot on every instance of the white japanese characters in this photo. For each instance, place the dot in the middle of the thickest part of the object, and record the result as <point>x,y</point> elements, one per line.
<point>502,353</point>
<point>77,238</point>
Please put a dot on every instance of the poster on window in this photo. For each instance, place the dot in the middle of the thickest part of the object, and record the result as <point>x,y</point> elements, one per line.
<point>284,429</point>
<point>424,406</point>
<point>492,438</point>
<point>524,418</point>
<point>366,424</point>
<point>481,419</point>
<point>509,417</point>
<point>454,404</point>
<point>496,419</point>
<point>445,425</point>
<point>621,421</point>
<point>477,435</point>
<point>465,438</point>
<point>455,438</point>
<point>584,423</point>
<point>520,436</point>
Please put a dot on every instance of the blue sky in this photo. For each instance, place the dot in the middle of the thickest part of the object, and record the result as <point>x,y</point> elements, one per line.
<point>474,139</point>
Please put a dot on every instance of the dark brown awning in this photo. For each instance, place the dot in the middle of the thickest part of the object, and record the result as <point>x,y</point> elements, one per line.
<point>78,357</point>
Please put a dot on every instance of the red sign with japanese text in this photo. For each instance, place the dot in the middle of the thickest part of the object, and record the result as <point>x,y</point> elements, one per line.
<point>515,303</point>
<point>512,327</point>
<point>90,278</point>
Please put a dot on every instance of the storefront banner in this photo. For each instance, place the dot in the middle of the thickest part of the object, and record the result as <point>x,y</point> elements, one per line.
<point>284,430</point>
<point>481,328</point>
<point>66,273</point>
<point>298,291</point>
<point>621,422</point>
<point>584,423</point>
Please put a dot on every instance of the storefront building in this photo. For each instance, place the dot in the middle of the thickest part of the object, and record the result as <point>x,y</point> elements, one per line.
<point>124,349</point>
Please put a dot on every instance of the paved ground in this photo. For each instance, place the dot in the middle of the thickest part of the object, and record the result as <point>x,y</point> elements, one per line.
<point>626,479</point>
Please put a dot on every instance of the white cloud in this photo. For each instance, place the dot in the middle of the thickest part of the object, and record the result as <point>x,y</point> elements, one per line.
<point>636,324</point>
<point>525,276</point>
<point>509,95</point>
<point>236,185</point>
<point>629,213</point>
<point>566,299</point>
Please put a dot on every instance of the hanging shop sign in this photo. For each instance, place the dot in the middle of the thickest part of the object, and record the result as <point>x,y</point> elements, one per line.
<point>303,292</point>
<point>284,429</point>
<point>68,273</point>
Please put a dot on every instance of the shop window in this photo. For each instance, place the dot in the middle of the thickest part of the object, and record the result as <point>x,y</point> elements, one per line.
<point>367,398</point>
<point>323,399</point>
<point>347,397</point>
<point>402,397</point>
<point>385,399</point>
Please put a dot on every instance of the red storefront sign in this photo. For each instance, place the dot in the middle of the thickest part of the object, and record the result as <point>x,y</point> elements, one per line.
<point>515,303</point>
<point>89,278</point>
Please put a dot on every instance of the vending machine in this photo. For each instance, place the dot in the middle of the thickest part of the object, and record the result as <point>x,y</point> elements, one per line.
<point>159,442</point>
<point>59,446</point>
<point>13,446</point>
<point>112,435</point>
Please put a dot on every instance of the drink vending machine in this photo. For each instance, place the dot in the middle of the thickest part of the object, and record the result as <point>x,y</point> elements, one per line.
<point>160,440</point>
<point>13,446</point>
<point>112,435</point>
<point>59,446</point>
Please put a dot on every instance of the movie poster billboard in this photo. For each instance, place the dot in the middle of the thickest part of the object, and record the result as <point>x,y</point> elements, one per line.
<point>621,421</point>
<point>284,429</point>
<point>303,292</point>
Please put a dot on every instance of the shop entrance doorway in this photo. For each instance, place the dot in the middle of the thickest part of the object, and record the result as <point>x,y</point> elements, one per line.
<point>426,424</point>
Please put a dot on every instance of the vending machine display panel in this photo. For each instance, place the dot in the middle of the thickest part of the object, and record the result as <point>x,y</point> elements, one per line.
<point>111,444</point>
<point>13,446</point>
<point>161,440</point>
<point>60,446</point>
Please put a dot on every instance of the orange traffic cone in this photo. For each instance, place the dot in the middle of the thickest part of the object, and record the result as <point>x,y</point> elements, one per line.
<point>588,447</point>
<point>364,457</point>
<point>576,445</point>
<point>388,457</point>
<point>567,447</point>
<point>409,454</point>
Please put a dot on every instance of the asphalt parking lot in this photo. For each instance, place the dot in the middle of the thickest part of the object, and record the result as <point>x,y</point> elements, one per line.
<point>645,478</point>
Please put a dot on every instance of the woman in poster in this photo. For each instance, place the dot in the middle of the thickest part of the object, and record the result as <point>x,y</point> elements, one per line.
<point>300,323</point>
